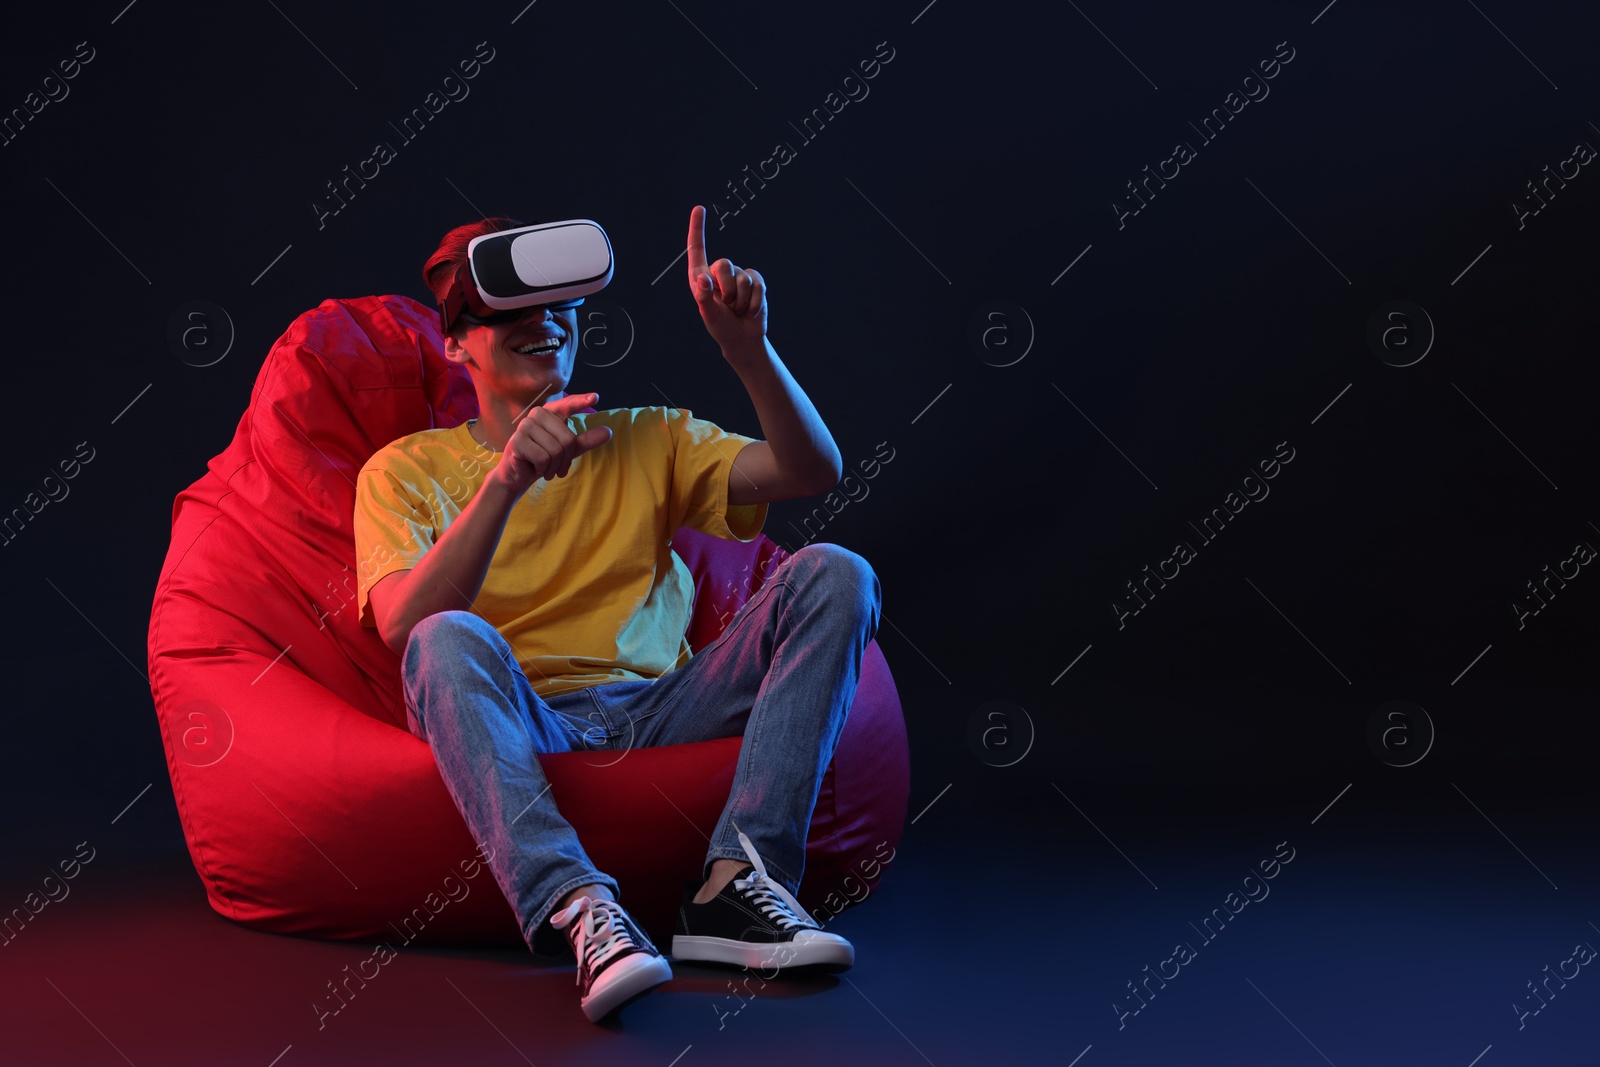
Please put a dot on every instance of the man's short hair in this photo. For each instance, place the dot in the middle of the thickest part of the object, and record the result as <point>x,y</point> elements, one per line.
<point>452,252</point>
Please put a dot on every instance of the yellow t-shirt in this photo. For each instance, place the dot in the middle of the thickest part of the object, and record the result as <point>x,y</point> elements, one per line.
<point>582,585</point>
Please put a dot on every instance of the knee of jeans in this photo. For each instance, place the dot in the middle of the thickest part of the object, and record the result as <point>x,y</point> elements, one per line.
<point>448,634</point>
<point>844,576</point>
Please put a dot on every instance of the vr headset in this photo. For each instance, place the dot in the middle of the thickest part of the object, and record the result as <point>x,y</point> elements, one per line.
<point>552,263</point>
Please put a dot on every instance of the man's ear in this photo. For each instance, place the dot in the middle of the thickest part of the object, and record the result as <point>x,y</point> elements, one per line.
<point>453,349</point>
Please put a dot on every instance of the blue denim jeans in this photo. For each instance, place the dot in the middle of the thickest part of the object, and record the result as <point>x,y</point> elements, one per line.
<point>782,674</point>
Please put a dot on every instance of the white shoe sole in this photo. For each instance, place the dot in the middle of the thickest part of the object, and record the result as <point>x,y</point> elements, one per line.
<point>627,978</point>
<point>806,950</point>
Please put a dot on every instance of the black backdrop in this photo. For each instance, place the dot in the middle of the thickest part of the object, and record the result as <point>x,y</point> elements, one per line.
<point>1064,385</point>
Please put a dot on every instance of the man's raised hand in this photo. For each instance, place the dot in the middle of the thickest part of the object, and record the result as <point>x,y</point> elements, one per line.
<point>542,445</point>
<point>732,301</point>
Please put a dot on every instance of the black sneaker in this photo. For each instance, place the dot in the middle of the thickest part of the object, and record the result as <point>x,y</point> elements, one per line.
<point>754,922</point>
<point>616,961</point>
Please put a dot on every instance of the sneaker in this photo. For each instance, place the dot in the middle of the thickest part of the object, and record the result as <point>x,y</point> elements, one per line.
<point>616,961</point>
<point>754,922</point>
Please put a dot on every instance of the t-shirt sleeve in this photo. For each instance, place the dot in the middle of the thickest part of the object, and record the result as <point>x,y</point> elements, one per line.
<point>702,461</point>
<point>393,530</point>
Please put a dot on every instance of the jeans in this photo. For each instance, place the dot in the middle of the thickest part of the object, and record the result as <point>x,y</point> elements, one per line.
<point>783,674</point>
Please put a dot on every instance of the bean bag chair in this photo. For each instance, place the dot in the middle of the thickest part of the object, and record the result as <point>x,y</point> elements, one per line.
<point>307,806</point>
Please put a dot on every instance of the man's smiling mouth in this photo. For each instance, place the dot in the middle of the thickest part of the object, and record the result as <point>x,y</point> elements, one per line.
<point>541,346</point>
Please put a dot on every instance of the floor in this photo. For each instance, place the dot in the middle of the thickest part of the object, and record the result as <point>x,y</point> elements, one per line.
<point>1399,926</point>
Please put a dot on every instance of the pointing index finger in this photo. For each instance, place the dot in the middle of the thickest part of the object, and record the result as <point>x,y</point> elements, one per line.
<point>697,243</point>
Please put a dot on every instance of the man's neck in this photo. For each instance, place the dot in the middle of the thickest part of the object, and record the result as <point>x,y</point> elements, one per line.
<point>498,417</point>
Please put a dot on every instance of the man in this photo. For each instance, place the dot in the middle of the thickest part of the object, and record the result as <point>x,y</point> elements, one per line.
<point>519,564</point>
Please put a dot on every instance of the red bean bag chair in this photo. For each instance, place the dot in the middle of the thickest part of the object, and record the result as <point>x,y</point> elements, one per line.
<point>307,805</point>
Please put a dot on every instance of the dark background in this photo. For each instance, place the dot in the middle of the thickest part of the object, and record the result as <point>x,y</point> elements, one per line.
<point>1229,315</point>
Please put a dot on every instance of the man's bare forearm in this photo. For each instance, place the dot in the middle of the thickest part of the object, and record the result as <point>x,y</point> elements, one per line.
<point>451,572</point>
<point>800,441</point>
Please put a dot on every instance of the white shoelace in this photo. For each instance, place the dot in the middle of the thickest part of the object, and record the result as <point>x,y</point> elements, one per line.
<point>602,931</point>
<point>774,901</point>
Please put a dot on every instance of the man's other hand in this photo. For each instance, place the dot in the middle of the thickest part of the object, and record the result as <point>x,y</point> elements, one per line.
<point>542,445</point>
<point>732,301</point>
